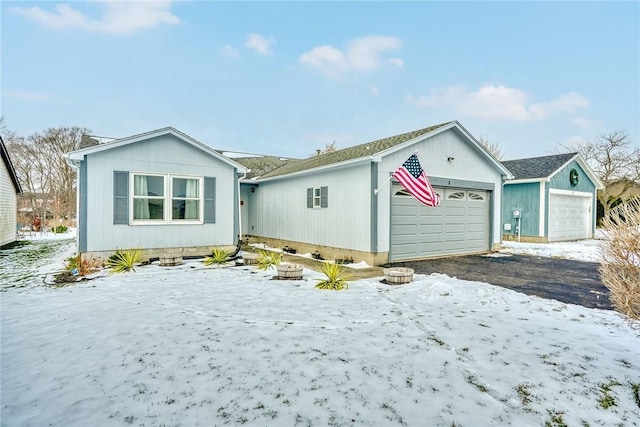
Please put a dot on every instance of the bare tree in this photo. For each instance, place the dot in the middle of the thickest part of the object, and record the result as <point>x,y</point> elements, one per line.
<point>43,171</point>
<point>329,148</point>
<point>491,147</point>
<point>615,161</point>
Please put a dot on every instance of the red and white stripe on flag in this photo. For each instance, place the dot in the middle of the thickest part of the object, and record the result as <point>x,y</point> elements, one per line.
<point>412,177</point>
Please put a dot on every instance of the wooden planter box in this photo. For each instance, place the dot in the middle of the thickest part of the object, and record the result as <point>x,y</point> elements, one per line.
<point>249,258</point>
<point>289,271</point>
<point>398,275</point>
<point>170,260</point>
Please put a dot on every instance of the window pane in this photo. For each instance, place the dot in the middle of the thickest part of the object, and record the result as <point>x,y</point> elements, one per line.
<point>146,185</point>
<point>148,209</point>
<point>186,187</point>
<point>185,209</point>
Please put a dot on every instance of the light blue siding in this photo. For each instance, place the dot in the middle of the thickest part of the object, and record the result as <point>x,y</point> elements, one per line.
<point>278,209</point>
<point>165,154</point>
<point>526,198</point>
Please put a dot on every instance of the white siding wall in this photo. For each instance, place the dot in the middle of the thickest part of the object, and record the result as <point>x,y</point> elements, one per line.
<point>165,154</point>
<point>8,207</point>
<point>468,164</point>
<point>279,209</point>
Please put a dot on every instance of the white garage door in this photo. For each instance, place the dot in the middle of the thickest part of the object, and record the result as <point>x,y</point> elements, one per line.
<point>460,225</point>
<point>569,216</point>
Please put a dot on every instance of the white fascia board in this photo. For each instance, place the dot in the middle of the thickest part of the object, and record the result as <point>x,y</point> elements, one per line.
<point>585,167</point>
<point>345,164</point>
<point>79,154</point>
<point>525,181</point>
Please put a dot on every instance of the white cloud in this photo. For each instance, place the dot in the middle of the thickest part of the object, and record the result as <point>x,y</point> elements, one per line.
<point>498,103</point>
<point>398,62</point>
<point>231,51</point>
<point>118,17</point>
<point>362,54</point>
<point>259,43</point>
<point>582,123</point>
<point>27,95</point>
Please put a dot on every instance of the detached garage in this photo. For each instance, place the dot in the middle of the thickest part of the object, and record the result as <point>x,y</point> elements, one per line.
<point>550,199</point>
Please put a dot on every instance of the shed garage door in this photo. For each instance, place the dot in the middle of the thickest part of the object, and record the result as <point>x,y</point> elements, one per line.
<point>569,216</point>
<point>460,225</point>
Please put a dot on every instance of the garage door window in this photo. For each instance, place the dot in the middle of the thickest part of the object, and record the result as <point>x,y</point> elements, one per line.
<point>476,196</point>
<point>456,195</point>
<point>405,193</point>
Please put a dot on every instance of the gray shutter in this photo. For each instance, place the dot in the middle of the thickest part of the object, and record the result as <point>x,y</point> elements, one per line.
<point>209,200</point>
<point>309,197</point>
<point>120,197</point>
<point>324,197</point>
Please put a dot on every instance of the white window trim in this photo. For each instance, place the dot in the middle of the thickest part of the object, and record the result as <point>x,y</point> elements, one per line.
<point>317,198</point>
<point>168,199</point>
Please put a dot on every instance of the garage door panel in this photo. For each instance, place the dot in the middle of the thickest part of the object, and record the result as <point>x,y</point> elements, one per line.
<point>569,217</point>
<point>457,226</point>
<point>430,229</point>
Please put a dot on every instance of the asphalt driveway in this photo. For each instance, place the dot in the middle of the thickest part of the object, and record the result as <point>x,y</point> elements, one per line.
<point>569,281</point>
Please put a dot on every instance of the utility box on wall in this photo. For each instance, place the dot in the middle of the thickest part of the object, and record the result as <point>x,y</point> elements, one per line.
<point>517,213</point>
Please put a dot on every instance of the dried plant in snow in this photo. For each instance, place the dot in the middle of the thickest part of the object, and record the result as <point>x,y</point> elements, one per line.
<point>620,269</point>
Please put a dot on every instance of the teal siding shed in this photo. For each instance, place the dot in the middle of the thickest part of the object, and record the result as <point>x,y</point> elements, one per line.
<point>551,198</point>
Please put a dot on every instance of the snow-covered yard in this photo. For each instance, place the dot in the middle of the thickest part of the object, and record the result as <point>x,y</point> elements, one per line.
<point>194,345</point>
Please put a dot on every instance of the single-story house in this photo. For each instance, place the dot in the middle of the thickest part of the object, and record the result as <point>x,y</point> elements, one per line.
<point>550,199</point>
<point>9,190</point>
<point>344,204</point>
<point>160,191</point>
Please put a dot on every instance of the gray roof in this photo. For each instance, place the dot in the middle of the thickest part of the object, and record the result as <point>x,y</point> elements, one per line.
<point>260,165</point>
<point>350,153</point>
<point>537,167</point>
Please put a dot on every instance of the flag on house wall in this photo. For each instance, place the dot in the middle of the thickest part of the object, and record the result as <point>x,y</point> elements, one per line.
<point>415,181</point>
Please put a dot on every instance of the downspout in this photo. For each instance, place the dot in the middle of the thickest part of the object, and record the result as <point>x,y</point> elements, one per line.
<point>240,209</point>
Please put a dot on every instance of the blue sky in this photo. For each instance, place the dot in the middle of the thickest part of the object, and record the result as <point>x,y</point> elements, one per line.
<point>286,78</point>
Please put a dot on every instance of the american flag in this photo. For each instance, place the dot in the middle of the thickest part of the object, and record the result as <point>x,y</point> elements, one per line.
<point>413,178</point>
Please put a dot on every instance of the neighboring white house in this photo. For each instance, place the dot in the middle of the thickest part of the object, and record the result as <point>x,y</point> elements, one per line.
<point>328,203</point>
<point>161,191</point>
<point>9,189</point>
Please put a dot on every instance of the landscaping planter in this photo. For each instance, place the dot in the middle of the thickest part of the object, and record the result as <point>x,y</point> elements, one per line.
<point>249,258</point>
<point>289,271</point>
<point>170,260</point>
<point>398,275</point>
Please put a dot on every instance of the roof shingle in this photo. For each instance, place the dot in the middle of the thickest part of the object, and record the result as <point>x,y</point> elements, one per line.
<point>350,153</point>
<point>537,167</point>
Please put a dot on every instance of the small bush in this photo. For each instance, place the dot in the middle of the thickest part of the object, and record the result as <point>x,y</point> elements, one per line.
<point>73,263</point>
<point>58,229</point>
<point>124,260</point>
<point>336,277</point>
<point>267,259</point>
<point>620,269</point>
<point>217,257</point>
